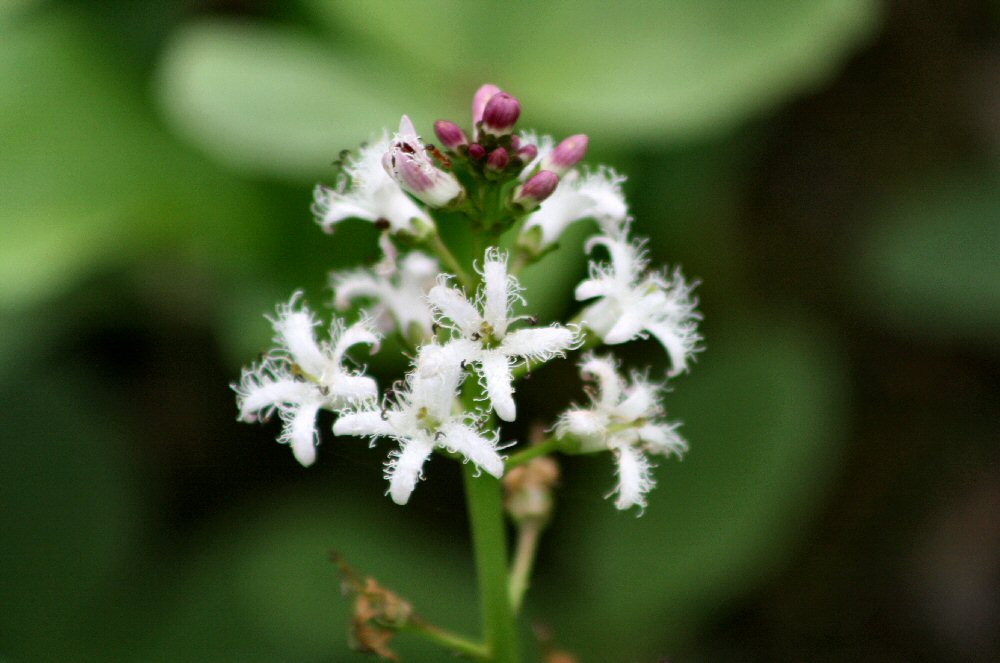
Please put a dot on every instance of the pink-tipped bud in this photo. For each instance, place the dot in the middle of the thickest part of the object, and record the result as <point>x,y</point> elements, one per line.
<point>500,114</point>
<point>515,143</point>
<point>498,159</point>
<point>482,96</point>
<point>450,134</point>
<point>476,151</point>
<point>567,154</point>
<point>527,153</point>
<point>535,190</point>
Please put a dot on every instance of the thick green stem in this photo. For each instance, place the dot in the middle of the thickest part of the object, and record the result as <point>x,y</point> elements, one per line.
<point>489,540</point>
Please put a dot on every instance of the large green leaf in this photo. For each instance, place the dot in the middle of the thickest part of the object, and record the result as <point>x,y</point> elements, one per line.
<point>762,412</point>
<point>931,262</point>
<point>627,70</point>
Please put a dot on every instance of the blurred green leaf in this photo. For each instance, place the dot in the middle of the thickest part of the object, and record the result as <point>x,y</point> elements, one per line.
<point>275,100</point>
<point>931,263</point>
<point>762,412</point>
<point>88,175</point>
<point>263,588</point>
<point>631,70</point>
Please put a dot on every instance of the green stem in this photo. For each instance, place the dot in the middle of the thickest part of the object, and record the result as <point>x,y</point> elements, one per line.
<point>489,540</point>
<point>442,251</point>
<point>448,640</point>
<point>534,451</point>
<point>524,560</point>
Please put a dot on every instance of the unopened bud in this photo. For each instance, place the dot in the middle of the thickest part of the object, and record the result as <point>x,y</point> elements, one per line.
<point>450,134</point>
<point>541,185</point>
<point>500,114</point>
<point>528,490</point>
<point>476,151</point>
<point>567,154</point>
<point>527,152</point>
<point>498,159</point>
<point>479,100</point>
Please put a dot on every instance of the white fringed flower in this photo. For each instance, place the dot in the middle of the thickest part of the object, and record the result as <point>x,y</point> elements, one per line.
<point>484,339</point>
<point>596,195</point>
<point>623,418</point>
<point>406,161</point>
<point>365,191</point>
<point>633,303</point>
<point>419,416</point>
<point>302,376</point>
<point>398,292</point>
<point>545,145</point>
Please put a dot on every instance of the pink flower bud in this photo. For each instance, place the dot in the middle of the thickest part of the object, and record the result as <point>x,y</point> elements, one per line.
<point>527,153</point>
<point>476,151</point>
<point>498,159</point>
<point>482,96</point>
<point>567,154</point>
<point>515,143</point>
<point>535,190</point>
<point>450,134</point>
<point>500,114</point>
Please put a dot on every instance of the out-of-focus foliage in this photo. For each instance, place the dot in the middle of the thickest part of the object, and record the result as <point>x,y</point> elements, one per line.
<point>154,194</point>
<point>273,99</point>
<point>931,264</point>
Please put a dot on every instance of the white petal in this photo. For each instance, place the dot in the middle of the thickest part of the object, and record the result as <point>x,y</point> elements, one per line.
<point>300,430</point>
<point>640,401</point>
<point>359,332</point>
<point>495,368</point>
<point>331,206</point>
<point>266,387</point>
<point>294,329</point>
<point>663,438</point>
<point>610,384</point>
<point>539,344</point>
<point>677,341</point>
<point>405,468</point>
<point>589,425</point>
<point>454,306</point>
<point>635,478</point>
<point>460,438</point>
<point>600,316</point>
<point>497,291</point>
<point>629,326</point>
<point>363,423</point>
<point>347,388</point>
<point>599,285</point>
<point>351,285</point>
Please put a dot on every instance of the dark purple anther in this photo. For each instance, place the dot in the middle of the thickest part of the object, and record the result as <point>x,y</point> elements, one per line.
<point>450,134</point>
<point>500,114</point>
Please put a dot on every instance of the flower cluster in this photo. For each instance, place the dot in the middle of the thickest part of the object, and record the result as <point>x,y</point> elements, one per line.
<point>464,319</point>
